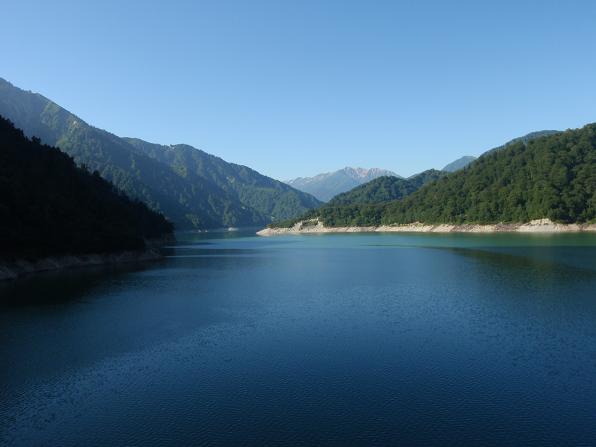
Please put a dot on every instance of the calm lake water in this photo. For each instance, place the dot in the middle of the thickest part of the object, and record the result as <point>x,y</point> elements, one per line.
<point>364,339</point>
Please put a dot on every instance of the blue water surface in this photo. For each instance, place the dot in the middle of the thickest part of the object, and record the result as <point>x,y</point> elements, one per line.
<point>360,339</point>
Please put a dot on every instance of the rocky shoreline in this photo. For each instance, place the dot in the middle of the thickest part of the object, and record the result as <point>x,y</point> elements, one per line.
<point>16,268</point>
<point>535,226</point>
<point>21,267</point>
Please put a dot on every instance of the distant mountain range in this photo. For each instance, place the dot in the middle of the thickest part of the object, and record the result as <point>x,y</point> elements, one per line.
<point>194,189</point>
<point>327,185</point>
<point>190,187</point>
<point>385,189</point>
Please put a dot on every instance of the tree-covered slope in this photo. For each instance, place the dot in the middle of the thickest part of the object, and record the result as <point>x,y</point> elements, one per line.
<point>548,177</point>
<point>385,189</point>
<point>464,161</point>
<point>49,206</point>
<point>326,186</point>
<point>268,197</point>
<point>524,139</point>
<point>188,196</point>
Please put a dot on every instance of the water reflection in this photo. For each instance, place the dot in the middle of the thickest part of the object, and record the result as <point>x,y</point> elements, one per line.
<point>55,288</point>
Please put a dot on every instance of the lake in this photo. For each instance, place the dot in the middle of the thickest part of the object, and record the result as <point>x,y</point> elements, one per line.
<point>360,339</point>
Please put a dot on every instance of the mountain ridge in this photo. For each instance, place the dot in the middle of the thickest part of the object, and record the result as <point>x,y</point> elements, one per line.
<point>550,177</point>
<point>459,163</point>
<point>327,185</point>
<point>464,161</point>
<point>385,189</point>
<point>197,201</point>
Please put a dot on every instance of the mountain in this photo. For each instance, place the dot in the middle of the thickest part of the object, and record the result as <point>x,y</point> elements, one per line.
<point>464,161</point>
<point>192,188</point>
<point>267,197</point>
<point>49,206</point>
<point>385,189</point>
<point>325,186</point>
<point>524,139</point>
<point>550,177</point>
<point>460,163</point>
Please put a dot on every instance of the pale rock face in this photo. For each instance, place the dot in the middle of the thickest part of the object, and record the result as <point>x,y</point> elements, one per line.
<point>534,226</point>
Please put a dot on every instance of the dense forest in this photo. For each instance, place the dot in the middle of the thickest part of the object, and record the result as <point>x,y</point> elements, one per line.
<point>552,176</point>
<point>265,198</point>
<point>464,161</point>
<point>524,139</point>
<point>385,189</point>
<point>49,206</point>
<point>192,188</point>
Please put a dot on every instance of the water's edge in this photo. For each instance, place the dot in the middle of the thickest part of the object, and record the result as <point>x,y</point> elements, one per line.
<point>535,226</point>
<point>363,338</point>
<point>10,270</point>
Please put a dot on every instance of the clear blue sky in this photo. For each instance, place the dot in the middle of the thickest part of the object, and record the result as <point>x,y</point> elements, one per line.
<point>294,88</point>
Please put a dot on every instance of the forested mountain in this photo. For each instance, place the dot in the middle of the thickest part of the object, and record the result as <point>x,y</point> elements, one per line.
<point>460,163</point>
<point>524,139</point>
<point>206,193</point>
<point>326,186</point>
<point>385,189</point>
<point>263,195</point>
<point>464,161</point>
<point>49,206</point>
<point>548,177</point>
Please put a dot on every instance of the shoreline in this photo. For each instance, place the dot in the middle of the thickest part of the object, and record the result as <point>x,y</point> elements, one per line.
<point>534,226</point>
<point>15,269</point>
<point>22,267</point>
